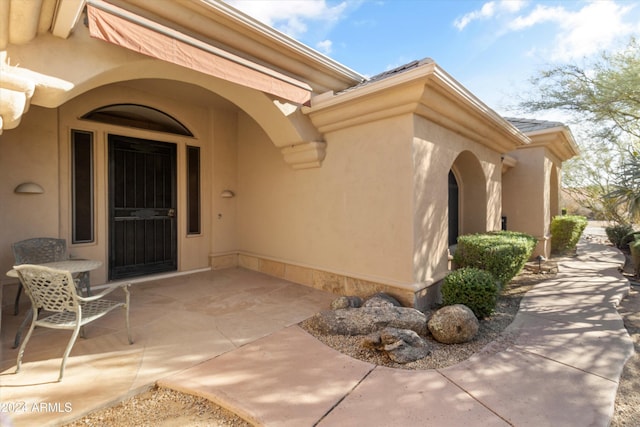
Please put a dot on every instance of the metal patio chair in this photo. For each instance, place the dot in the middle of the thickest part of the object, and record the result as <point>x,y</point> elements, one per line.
<point>55,291</point>
<point>38,250</point>
<point>41,250</point>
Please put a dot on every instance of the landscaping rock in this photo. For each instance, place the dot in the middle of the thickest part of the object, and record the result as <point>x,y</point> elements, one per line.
<point>381,300</point>
<point>365,320</point>
<point>401,345</point>
<point>453,324</point>
<point>346,302</point>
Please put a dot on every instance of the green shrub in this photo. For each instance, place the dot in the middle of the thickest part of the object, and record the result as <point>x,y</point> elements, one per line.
<point>501,253</point>
<point>618,233</point>
<point>475,288</point>
<point>565,233</point>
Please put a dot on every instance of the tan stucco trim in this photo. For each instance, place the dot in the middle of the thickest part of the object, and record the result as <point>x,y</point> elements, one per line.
<point>305,155</point>
<point>65,17</point>
<point>427,91</point>
<point>508,162</point>
<point>558,140</point>
<point>22,20</point>
<point>16,92</point>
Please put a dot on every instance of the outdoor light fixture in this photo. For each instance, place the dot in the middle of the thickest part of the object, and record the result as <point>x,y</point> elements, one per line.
<point>540,260</point>
<point>28,188</point>
<point>227,194</point>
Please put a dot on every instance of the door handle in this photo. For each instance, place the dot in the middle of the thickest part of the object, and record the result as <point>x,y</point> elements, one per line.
<point>171,213</point>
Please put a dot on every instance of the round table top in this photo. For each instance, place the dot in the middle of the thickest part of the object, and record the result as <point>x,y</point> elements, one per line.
<point>71,265</point>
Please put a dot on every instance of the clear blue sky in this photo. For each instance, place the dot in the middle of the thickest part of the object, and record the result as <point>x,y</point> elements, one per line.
<point>491,47</point>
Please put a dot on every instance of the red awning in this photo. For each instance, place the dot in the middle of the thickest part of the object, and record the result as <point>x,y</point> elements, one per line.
<point>149,38</point>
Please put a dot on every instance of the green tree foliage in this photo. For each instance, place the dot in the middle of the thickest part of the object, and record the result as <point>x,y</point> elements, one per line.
<point>625,191</point>
<point>603,97</point>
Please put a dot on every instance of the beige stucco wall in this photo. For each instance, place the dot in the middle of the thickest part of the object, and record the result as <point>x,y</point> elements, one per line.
<point>531,194</point>
<point>223,175</point>
<point>351,216</point>
<point>523,202</point>
<point>28,153</point>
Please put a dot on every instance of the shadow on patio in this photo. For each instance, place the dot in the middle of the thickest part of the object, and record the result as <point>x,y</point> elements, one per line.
<point>177,323</point>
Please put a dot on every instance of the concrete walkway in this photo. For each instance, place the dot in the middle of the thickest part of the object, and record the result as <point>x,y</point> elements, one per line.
<point>561,368</point>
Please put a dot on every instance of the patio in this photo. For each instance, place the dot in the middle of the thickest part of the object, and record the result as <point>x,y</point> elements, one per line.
<point>177,323</point>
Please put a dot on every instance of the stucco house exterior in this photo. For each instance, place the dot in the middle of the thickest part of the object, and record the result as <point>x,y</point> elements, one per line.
<point>172,137</point>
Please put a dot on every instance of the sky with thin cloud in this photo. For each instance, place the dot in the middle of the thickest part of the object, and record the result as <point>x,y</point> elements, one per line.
<point>490,47</point>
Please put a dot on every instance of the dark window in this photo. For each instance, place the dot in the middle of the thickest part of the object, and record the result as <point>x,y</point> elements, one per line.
<point>453,209</point>
<point>82,186</point>
<point>193,190</point>
<point>137,116</point>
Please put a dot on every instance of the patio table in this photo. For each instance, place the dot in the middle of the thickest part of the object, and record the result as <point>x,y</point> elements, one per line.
<point>74,266</point>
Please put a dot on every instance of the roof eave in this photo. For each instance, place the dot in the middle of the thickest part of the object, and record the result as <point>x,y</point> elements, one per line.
<point>427,91</point>
<point>307,53</point>
<point>220,24</point>
<point>559,140</point>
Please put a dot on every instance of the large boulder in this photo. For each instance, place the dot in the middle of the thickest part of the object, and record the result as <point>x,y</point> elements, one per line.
<point>453,324</point>
<point>401,345</point>
<point>365,320</point>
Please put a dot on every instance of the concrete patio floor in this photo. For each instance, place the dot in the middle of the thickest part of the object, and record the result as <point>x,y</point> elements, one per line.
<point>177,323</point>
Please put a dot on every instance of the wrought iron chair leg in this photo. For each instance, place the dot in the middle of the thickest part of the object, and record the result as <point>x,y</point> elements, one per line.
<point>126,307</point>
<point>16,340</point>
<point>74,336</point>
<point>24,344</point>
<point>84,282</point>
<point>16,305</point>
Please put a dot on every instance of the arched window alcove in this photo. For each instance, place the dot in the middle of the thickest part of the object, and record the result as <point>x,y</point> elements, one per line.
<point>137,116</point>
<point>467,197</point>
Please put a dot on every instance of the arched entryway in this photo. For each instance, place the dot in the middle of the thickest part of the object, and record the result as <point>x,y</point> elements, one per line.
<point>141,188</point>
<point>467,197</point>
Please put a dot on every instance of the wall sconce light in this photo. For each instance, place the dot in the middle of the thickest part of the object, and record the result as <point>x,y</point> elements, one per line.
<point>227,194</point>
<point>28,188</point>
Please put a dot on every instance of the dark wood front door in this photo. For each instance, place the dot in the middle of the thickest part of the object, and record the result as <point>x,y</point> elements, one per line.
<point>142,207</point>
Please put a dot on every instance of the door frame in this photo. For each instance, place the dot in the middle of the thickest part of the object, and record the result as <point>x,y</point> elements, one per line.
<point>173,243</point>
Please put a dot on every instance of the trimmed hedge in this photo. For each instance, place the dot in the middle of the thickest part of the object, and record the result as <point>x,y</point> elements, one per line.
<point>501,253</point>
<point>475,288</point>
<point>565,233</point>
<point>618,233</point>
